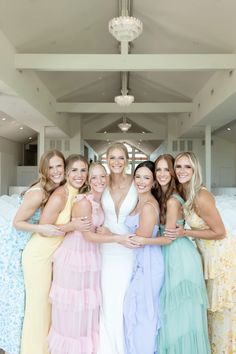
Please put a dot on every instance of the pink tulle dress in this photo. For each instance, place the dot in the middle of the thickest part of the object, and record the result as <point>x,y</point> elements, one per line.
<point>75,293</point>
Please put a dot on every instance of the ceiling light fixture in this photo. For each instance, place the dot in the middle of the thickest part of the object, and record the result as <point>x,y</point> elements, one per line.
<point>124,100</point>
<point>4,118</point>
<point>125,28</point>
<point>21,128</point>
<point>228,128</point>
<point>124,125</point>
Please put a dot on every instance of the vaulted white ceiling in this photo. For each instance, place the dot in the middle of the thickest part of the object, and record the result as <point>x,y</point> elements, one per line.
<point>203,27</point>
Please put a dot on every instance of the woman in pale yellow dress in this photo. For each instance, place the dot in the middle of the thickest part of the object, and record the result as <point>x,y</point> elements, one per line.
<point>37,265</point>
<point>218,250</point>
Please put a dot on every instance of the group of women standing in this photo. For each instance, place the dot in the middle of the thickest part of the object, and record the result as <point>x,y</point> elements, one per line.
<point>103,264</point>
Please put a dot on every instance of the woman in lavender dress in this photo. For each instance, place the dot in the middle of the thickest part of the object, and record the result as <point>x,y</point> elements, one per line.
<point>141,304</point>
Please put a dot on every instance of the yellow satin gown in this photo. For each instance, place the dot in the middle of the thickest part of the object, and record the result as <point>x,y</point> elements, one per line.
<point>37,268</point>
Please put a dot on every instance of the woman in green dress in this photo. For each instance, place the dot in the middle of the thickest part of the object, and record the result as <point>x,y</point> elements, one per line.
<point>183,299</point>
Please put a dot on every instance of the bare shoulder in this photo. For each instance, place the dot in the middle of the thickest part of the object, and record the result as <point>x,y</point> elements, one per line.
<point>82,207</point>
<point>151,206</point>
<point>204,197</point>
<point>34,195</point>
<point>59,194</point>
<point>173,202</point>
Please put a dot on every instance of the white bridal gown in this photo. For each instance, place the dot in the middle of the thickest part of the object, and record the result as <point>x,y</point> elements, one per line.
<point>117,265</point>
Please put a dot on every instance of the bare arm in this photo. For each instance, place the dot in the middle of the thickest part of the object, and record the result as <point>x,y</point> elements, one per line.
<point>54,206</point>
<point>82,209</point>
<point>32,201</point>
<point>148,220</point>
<point>208,212</point>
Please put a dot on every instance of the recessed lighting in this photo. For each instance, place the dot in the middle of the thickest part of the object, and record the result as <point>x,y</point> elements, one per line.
<point>21,128</point>
<point>105,132</point>
<point>4,118</point>
<point>30,137</point>
<point>143,132</point>
<point>228,128</point>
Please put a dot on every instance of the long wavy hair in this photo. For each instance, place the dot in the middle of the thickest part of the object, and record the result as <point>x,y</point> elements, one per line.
<point>45,182</point>
<point>193,187</point>
<point>151,166</point>
<point>71,159</point>
<point>162,197</point>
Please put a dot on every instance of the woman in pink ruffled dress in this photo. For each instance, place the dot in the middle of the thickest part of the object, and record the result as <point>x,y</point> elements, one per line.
<point>75,293</point>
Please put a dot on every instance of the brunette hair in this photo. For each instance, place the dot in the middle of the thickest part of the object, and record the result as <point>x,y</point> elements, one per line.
<point>151,166</point>
<point>163,197</point>
<point>71,159</point>
<point>45,182</point>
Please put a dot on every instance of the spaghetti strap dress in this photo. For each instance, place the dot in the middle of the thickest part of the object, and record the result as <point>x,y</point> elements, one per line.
<point>141,303</point>
<point>183,300</point>
<point>75,293</point>
<point>219,263</point>
<point>12,292</point>
<point>37,268</point>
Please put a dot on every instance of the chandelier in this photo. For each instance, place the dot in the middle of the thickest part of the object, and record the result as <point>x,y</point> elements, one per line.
<point>124,100</point>
<point>125,28</point>
<point>124,125</point>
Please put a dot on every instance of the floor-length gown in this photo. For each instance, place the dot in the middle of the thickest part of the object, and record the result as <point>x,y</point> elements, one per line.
<point>219,263</point>
<point>141,303</point>
<point>117,265</point>
<point>37,268</point>
<point>12,290</point>
<point>183,299</point>
<point>75,293</point>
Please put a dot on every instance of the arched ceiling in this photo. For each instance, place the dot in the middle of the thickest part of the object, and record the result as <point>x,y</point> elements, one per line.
<point>185,27</point>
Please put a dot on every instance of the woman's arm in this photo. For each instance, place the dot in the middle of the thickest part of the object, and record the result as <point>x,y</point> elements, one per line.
<point>83,209</point>
<point>31,202</point>
<point>148,220</point>
<point>207,211</point>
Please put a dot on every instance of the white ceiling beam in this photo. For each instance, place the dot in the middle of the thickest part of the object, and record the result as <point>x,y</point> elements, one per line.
<point>213,105</point>
<point>122,136</point>
<point>30,100</point>
<point>131,62</point>
<point>97,107</point>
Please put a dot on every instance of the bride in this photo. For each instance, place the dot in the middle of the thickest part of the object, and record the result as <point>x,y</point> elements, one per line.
<point>118,200</point>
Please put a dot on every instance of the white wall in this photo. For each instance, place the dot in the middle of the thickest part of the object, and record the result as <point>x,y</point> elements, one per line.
<point>11,155</point>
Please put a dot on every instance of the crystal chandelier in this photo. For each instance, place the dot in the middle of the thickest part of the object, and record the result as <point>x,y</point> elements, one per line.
<point>124,125</point>
<point>125,28</point>
<point>124,100</point>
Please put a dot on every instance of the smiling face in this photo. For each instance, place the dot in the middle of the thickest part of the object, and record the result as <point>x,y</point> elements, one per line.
<point>183,170</point>
<point>97,178</point>
<point>77,174</point>
<point>143,180</point>
<point>116,160</point>
<point>56,170</point>
<point>163,175</point>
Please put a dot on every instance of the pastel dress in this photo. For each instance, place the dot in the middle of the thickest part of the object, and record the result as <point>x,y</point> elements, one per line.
<point>75,293</point>
<point>116,272</point>
<point>37,268</point>
<point>219,263</point>
<point>183,299</point>
<point>141,303</point>
<point>12,292</point>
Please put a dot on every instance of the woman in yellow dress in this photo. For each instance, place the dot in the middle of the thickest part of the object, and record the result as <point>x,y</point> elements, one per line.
<point>37,264</point>
<point>218,250</point>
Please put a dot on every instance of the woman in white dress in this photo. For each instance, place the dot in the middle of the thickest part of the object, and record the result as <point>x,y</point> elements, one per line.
<point>118,200</point>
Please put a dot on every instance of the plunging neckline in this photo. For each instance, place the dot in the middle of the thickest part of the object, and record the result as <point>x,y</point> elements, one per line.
<point>122,202</point>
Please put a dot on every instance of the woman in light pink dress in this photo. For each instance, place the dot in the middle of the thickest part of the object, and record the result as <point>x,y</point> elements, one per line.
<point>75,293</point>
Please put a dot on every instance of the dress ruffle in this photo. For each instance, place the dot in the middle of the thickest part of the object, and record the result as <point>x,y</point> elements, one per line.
<point>75,299</point>
<point>69,258</point>
<point>64,345</point>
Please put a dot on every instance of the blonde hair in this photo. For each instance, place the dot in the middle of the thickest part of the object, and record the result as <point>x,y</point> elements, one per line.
<point>45,182</point>
<point>195,184</point>
<point>71,159</point>
<point>92,166</point>
<point>119,146</point>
